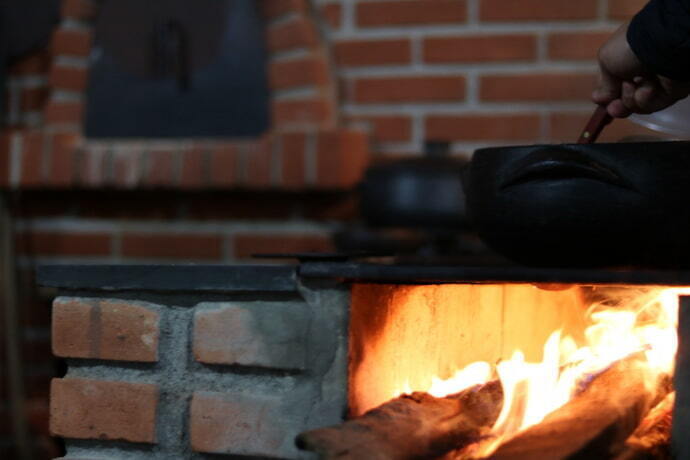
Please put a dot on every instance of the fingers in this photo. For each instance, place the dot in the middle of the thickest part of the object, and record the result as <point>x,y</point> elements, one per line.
<point>608,89</point>
<point>643,96</point>
<point>628,96</point>
<point>617,110</point>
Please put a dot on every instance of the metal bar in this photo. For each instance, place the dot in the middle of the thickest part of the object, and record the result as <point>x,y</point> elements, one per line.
<point>680,443</point>
<point>15,374</point>
<point>433,274</point>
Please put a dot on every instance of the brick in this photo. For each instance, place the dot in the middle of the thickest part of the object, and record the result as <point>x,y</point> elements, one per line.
<point>410,12</point>
<point>245,245</point>
<point>565,127</point>
<point>194,168</point>
<point>537,87</point>
<point>536,10</point>
<point>71,42</point>
<point>259,163</point>
<point>73,335</point>
<point>625,9</point>
<point>44,243</point>
<point>104,329</point>
<point>161,168</point>
<point>92,166</point>
<point>68,78</point>
<point>293,146</point>
<point>294,73</point>
<point>129,332</point>
<point>355,53</point>
<point>257,334</point>
<point>172,246</point>
<point>36,63</point>
<point>63,112</point>
<point>62,162</point>
<point>409,89</point>
<point>242,424</point>
<point>387,128</point>
<point>79,9</point>
<point>314,111</point>
<point>332,13</point>
<point>32,158</point>
<point>341,158</point>
<point>271,9</point>
<point>127,164</point>
<point>576,45</point>
<point>485,48</point>
<point>31,99</point>
<point>224,165</point>
<point>95,409</point>
<point>295,33</point>
<point>482,127</point>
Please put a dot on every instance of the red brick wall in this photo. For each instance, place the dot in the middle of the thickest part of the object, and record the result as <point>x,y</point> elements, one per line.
<point>471,72</point>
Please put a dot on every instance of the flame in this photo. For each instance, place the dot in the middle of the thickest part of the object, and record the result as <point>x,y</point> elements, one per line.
<point>615,329</point>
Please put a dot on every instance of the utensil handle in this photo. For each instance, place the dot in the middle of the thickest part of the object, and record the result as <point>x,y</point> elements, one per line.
<point>599,119</point>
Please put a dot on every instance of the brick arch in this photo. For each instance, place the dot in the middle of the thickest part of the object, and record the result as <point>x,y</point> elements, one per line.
<point>305,147</point>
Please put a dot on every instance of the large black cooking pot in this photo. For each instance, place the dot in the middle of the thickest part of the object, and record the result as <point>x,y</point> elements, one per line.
<point>584,205</point>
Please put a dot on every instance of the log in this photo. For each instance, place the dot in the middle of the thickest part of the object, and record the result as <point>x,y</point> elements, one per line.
<point>595,423</point>
<point>412,426</point>
<point>652,439</point>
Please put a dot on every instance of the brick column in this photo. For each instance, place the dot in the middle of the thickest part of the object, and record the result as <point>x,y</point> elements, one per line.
<point>237,362</point>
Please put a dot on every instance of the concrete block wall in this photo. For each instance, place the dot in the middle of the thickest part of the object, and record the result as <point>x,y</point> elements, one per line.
<point>181,375</point>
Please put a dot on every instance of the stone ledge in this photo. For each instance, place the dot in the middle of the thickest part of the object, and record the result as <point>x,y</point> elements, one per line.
<point>171,278</point>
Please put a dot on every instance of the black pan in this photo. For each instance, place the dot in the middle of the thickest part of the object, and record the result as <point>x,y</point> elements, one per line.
<point>584,205</point>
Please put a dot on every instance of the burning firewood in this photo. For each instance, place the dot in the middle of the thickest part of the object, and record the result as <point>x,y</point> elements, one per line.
<point>597,422</point>
<point>411,426</point>
<point>652,439</point>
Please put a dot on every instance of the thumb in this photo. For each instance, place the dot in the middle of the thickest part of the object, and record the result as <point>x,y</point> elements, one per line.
<point>608,88</point>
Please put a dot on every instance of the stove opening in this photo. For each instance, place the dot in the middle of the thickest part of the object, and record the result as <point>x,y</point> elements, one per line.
<point>514,371</point>
<point>175,68</point>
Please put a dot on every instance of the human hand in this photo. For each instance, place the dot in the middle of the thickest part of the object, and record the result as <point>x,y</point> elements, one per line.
<point>626,87</point>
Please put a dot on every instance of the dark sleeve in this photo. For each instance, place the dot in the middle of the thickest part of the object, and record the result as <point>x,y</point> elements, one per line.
<point>659,35</point>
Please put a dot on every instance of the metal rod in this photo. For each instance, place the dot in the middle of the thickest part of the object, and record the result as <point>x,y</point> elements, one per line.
<point>680,443</point>
<point>15,374</point>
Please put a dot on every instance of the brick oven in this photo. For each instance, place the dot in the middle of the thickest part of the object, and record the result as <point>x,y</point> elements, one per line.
<point>176,361</point>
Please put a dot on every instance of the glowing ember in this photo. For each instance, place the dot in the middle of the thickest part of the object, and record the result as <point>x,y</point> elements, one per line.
<point>643,324</point>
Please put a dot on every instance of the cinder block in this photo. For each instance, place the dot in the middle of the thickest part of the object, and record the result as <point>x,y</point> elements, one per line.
<point>262,334</point>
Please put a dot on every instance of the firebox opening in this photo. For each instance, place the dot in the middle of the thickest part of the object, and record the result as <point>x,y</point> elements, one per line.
<point>405,335</point>
<point>544,346</point>
<point>176,68</point>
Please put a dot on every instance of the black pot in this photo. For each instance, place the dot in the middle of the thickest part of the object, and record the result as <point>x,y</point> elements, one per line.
<point>424,192</point>
<point>584,205</point>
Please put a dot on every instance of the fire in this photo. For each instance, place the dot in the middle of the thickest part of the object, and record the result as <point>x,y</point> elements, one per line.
<point>615,329</point>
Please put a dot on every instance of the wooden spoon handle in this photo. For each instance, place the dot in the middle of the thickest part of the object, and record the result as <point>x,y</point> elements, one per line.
<point>599,119</point>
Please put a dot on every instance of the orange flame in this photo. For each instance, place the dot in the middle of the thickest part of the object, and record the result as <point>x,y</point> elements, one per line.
<point>534,389</point>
